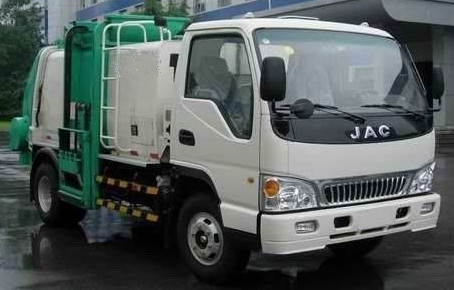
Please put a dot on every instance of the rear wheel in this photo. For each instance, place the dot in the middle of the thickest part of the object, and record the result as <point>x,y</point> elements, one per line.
<point>356,249</point>
<point>209,253</point>
<point>51,209</point>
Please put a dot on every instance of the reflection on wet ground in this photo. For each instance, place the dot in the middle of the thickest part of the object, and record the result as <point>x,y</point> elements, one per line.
<point>3,139</point>
<point>121,257</point>
<point>109,252</point>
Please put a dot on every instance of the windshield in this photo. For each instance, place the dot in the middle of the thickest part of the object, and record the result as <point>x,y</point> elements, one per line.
<point>357,84</point>
<point>345,70</point>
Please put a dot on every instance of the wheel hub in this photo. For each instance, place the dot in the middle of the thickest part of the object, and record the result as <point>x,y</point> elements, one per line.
<point>201,239</point>
<point>44,194</point>
<point>205,238</point>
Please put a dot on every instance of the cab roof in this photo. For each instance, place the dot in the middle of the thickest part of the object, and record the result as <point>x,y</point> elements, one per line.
<point>250,24</point>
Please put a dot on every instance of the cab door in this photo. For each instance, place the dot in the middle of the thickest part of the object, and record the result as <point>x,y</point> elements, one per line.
<point>215,127</point>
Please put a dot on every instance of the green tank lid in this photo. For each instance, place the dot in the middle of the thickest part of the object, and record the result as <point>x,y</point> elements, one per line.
<point>176,26</point>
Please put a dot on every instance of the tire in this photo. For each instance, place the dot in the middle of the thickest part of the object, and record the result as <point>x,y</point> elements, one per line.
<point>355,249</point>
<point>52,210</point>
<point>208,252</point>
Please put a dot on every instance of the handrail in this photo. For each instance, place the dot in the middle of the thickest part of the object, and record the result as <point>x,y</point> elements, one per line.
<point>65,140</point>
<point>139,24</point>
<point>103,71</point>
<point>78,131</point>
<point>162,30</point>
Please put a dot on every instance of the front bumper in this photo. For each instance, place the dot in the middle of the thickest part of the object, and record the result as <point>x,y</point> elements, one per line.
<point>278,234</point>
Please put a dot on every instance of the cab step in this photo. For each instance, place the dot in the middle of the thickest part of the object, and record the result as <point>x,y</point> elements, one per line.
<point>128,210</point>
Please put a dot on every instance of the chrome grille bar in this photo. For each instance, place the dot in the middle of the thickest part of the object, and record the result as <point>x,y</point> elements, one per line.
<point>364,190</point>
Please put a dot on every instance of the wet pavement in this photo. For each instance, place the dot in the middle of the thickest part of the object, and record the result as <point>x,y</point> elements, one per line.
<point>108,252</point>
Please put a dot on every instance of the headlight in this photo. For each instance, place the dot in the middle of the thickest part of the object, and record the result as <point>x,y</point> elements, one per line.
<point>286,194</point>
<point>422,181</point>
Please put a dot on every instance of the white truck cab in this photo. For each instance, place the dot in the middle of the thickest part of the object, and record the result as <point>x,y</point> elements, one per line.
<point>301,184</point>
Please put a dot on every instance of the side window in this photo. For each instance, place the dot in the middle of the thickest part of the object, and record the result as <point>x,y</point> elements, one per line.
<point>219,71</point>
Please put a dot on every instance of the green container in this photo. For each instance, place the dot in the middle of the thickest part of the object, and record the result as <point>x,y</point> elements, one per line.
<point>18,134</point>
<point>175,25</point>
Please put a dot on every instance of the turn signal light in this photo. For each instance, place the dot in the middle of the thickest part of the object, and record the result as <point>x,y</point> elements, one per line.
<point>271,187</point>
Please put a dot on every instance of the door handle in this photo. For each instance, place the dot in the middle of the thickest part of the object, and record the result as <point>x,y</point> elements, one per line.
<point>186,137</point>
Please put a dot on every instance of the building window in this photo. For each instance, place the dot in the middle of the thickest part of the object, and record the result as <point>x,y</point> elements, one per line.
<point>223,3</point>
<point>94,2</point>
<point>199,6</point>
<point>82,4</point>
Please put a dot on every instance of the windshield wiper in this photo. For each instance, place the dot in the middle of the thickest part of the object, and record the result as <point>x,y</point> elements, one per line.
<point>391,107</point>
<point>349,116</point>
<point>328,109</point>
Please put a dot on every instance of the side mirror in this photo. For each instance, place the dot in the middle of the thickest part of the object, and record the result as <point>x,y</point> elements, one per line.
<point>438,84</point>
<point>274,80</point>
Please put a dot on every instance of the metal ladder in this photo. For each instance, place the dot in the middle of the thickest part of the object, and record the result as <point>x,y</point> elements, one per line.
<point>104,136</point>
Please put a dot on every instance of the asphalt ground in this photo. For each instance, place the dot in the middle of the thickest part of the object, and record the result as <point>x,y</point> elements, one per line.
<point>110,252</point>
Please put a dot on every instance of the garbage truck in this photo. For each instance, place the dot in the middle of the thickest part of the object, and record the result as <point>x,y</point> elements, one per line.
<point>278,135</point>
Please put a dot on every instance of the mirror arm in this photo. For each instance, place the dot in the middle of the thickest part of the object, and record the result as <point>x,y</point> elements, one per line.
<point>437,109</point>
<point>273,107</point>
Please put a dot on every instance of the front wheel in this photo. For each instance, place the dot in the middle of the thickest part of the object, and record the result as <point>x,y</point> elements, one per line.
<point>52,210</point>
<point>356,249</point>
<point>209,253</point>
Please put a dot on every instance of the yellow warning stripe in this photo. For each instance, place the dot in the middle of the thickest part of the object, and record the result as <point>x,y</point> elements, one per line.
<point>135,187</point>
<point>127,210</point>
<point>152,190</point>
<point>126,184</point>
<point>136,213</point>
<point>123,209</point>
<point>152,217</point>
<point>123,184</point>
<point>111,205</point>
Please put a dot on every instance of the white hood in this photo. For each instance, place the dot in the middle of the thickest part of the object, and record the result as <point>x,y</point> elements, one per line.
<point>330,161</point>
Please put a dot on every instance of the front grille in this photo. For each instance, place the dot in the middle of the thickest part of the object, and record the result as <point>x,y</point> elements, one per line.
<point>363,190</point>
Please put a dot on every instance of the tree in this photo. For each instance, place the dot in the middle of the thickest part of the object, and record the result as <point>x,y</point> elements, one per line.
<point>152,7</point>
<point>20,40</point>
<point>155,7</point>
<point>177,10</point>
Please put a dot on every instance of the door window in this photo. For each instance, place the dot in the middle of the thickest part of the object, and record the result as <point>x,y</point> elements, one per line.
<point>219,71</point>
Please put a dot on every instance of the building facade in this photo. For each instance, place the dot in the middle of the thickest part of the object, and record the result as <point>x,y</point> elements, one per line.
<point>96,9</point>
<point>56,15</point>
